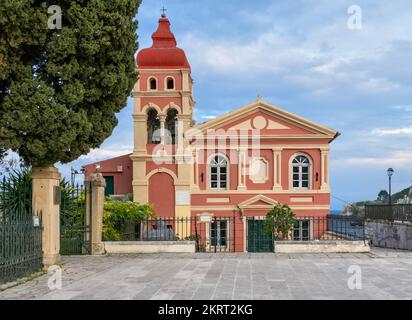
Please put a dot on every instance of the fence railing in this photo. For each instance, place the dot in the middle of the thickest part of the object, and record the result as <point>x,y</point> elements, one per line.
<point>226,234</point>
<point>325,228</point>
<point>20,233</point>
<point>75,221</point>
<point>216,235</point>
<point>395,212</point>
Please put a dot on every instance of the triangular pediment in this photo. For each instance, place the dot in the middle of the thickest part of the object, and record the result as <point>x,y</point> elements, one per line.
<point>259,201</point>
<point>269,119</point>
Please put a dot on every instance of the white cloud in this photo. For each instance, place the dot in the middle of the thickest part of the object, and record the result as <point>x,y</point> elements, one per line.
<point>406,108</point>
<point>106,153</point>
<point>393,132</point>
<point>395,159</point>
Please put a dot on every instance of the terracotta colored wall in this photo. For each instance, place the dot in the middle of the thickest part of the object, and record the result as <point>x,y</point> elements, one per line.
<point>162,194</point>
<point>160,102</point>
<point>122,180</point>
<point>150,166</point>
<point>160,80</point>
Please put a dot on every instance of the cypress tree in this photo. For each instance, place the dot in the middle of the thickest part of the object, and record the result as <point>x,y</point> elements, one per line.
<point>60,89</point>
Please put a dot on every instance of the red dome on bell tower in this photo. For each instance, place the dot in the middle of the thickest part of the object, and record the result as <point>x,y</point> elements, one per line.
<point>164,53</point>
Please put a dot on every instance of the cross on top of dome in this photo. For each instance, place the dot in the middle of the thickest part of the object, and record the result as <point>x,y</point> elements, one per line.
<point>163,12</point>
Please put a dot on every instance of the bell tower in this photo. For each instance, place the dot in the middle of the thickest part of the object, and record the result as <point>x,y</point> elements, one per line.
<point>163,112</point>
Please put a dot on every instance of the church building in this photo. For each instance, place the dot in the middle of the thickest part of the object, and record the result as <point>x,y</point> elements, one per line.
<point>239,164</point>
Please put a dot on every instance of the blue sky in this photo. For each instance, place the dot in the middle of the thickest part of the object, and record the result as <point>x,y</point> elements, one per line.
<point>302,57</point>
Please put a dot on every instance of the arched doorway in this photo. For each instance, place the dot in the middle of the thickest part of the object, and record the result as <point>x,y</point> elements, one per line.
<point>162,194</point>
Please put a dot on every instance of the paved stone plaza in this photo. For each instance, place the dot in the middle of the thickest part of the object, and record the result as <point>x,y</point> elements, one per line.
<point>386,274</point>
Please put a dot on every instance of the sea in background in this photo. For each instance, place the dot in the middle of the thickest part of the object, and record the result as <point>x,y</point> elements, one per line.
<point>339,212</point>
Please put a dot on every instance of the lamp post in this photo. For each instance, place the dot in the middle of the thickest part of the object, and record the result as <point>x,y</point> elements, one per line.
<point>74,173</point>
<point>390,172</point>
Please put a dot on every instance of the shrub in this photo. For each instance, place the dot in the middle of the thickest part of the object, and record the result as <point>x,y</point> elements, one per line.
<point>280,221</point>
<point>118,214</point>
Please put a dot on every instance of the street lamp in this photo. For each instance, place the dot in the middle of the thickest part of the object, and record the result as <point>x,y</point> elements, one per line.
<point>75,172</point>
<point>390,172</point>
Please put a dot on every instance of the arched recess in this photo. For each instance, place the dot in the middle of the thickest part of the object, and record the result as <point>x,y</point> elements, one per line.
<point>153,127</point>
<point>170,83</point>
<point>152,106</point>
<point>173,105</point>
<point>162,170</point>
<point>152,84</point>
<point>162,193</point>
<point>171,126</point>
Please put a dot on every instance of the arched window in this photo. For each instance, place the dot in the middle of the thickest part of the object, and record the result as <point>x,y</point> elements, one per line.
<point>300,172</point>
<point>153,127</point>
<point>170,83</point>
<point>171,126</point>
<point>153,84</point>
<point>218,172</point>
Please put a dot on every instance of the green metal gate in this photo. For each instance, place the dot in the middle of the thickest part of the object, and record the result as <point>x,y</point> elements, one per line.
<point>75,220</point>
<point>20,232</point>
<point>257,239</point>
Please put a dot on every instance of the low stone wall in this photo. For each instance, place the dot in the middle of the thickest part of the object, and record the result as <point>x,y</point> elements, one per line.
<point>394,235</point>
<point>321,247</point>
<point>117,247</point>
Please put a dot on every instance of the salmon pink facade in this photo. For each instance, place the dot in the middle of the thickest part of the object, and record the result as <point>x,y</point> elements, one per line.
<point>238,165</point>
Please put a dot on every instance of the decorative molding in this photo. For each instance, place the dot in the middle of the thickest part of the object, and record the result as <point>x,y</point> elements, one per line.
<point>293,156</point>
<point>246,125</point>
<point>150,71</point>
<point>162,170</point>
<point>152,105</point>
<point>271,110</point>
<point>217,200</point>
<point>247,204</point>
<point>165,83</point>
<point>257,207</point>
<point>266,165</point>
<point>301,199</point>
<point>270,191</point>
<point>172,105</point>
<point>276,126</point>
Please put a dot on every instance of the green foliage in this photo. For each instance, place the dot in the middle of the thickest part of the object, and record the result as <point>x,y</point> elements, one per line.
<point>118,214</point>
<point>16,191</point>
<point>279,221</point>
<point>383,196</point>
<point>61,88</point>
<point>72,204</point>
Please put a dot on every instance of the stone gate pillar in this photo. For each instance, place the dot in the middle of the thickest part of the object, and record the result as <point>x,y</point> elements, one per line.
<point>46,200</point>
<point>96,184</point>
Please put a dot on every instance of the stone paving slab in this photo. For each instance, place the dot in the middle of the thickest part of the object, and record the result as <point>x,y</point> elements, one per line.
<point>386,274</point>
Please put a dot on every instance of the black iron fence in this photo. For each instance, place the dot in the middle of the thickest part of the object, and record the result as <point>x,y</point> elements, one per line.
<point>20,233</point>
<point>233,234</point>
<point>395,212</point>
<point>325,228</point>
<point>216,234</point>
<point>75,220</point>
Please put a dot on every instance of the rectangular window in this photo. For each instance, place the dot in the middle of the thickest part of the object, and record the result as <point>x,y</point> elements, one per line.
<point>301,230</point>
<point>218,233</point>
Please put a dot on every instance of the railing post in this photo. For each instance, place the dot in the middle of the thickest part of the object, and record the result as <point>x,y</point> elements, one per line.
<point>96,183</point>
<point>46,199</point>
<point>234,230</point>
